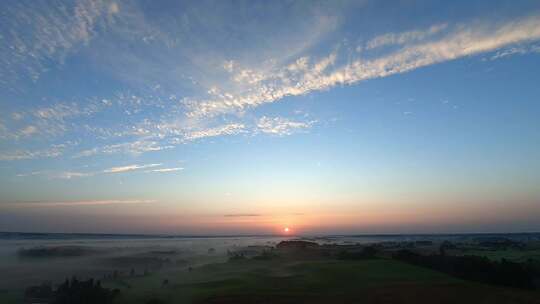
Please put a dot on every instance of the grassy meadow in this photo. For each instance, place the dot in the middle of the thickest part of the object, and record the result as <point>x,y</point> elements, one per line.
<point>283,280</point>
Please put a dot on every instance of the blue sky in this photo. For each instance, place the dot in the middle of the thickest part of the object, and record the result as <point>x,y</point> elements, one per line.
<point>245,117</point>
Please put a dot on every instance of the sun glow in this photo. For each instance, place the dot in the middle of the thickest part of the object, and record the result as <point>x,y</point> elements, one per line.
<point>286,230</point>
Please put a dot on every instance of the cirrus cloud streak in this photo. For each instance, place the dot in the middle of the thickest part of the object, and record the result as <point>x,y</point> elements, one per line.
<point>415,50</point>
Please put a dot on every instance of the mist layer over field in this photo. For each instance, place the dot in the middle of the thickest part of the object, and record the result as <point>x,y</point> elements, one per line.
<point>29,262</point>
<point>246,269</point>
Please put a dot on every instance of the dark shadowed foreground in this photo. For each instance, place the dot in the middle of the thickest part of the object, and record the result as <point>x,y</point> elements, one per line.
<point>308,272</point>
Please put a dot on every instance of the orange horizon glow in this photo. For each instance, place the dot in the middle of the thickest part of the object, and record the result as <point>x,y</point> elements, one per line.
<point>371,218</point>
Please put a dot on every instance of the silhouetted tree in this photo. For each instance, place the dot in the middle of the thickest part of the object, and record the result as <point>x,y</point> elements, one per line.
<point>369,252</point>
<point>83,292</point>
<point>474,268</point>
<point>445,246</point>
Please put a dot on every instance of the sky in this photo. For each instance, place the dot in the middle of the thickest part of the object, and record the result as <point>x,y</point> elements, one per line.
<point>246,117</point>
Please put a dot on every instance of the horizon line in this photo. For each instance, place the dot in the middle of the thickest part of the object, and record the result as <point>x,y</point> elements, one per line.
<point>157,235</point>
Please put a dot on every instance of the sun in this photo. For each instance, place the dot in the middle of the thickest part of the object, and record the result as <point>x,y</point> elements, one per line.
<point>286,229</point>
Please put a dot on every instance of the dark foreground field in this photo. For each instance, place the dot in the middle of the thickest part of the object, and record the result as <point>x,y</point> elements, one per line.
<point>292,272</point>
<point>284,280</point>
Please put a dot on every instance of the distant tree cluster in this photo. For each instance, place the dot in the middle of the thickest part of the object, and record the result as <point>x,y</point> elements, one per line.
<point>501,244</point>
<point>234,256</point>
<point>39,294</point>
<point>369,252</point>
<point>56,251</point>
<point>474,268</point>
<point>72,292</point>
<point>296,244</point>
<point>265,255</point>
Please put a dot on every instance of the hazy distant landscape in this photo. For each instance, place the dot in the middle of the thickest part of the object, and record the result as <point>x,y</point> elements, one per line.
<point>267,269</point>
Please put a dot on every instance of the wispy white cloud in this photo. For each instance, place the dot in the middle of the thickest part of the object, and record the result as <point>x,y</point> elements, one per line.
<point>50,174</point>
<point>29,130</point>
<point>67,175</point>
<point>80,203</point>
<point>522,49</point>
<point>281,126</point>
<point>107,30</point>
<point>260,88</point>
<point>58,111</point>
<point>71,175</point>
<point>167,135</point>
<point>53,151</point>
<point>404,37</point>
<point>122,169</point>
<point>17,116</point>
<point>414,50</point>
<point>243,215</point>
<point>165,170</point>
<point>51,121</point>
<point>228,129</point>
<point>135,147</point>
<point>50,33</point>
<point>33,173</point>
<point>228,65</point>
<point>174,120</point>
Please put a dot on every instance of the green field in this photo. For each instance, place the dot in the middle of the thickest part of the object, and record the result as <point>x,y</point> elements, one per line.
<point>311,276</point>
<point>314,281</point>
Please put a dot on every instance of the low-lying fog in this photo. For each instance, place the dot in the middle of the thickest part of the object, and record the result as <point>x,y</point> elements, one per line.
<point>30,262</point>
